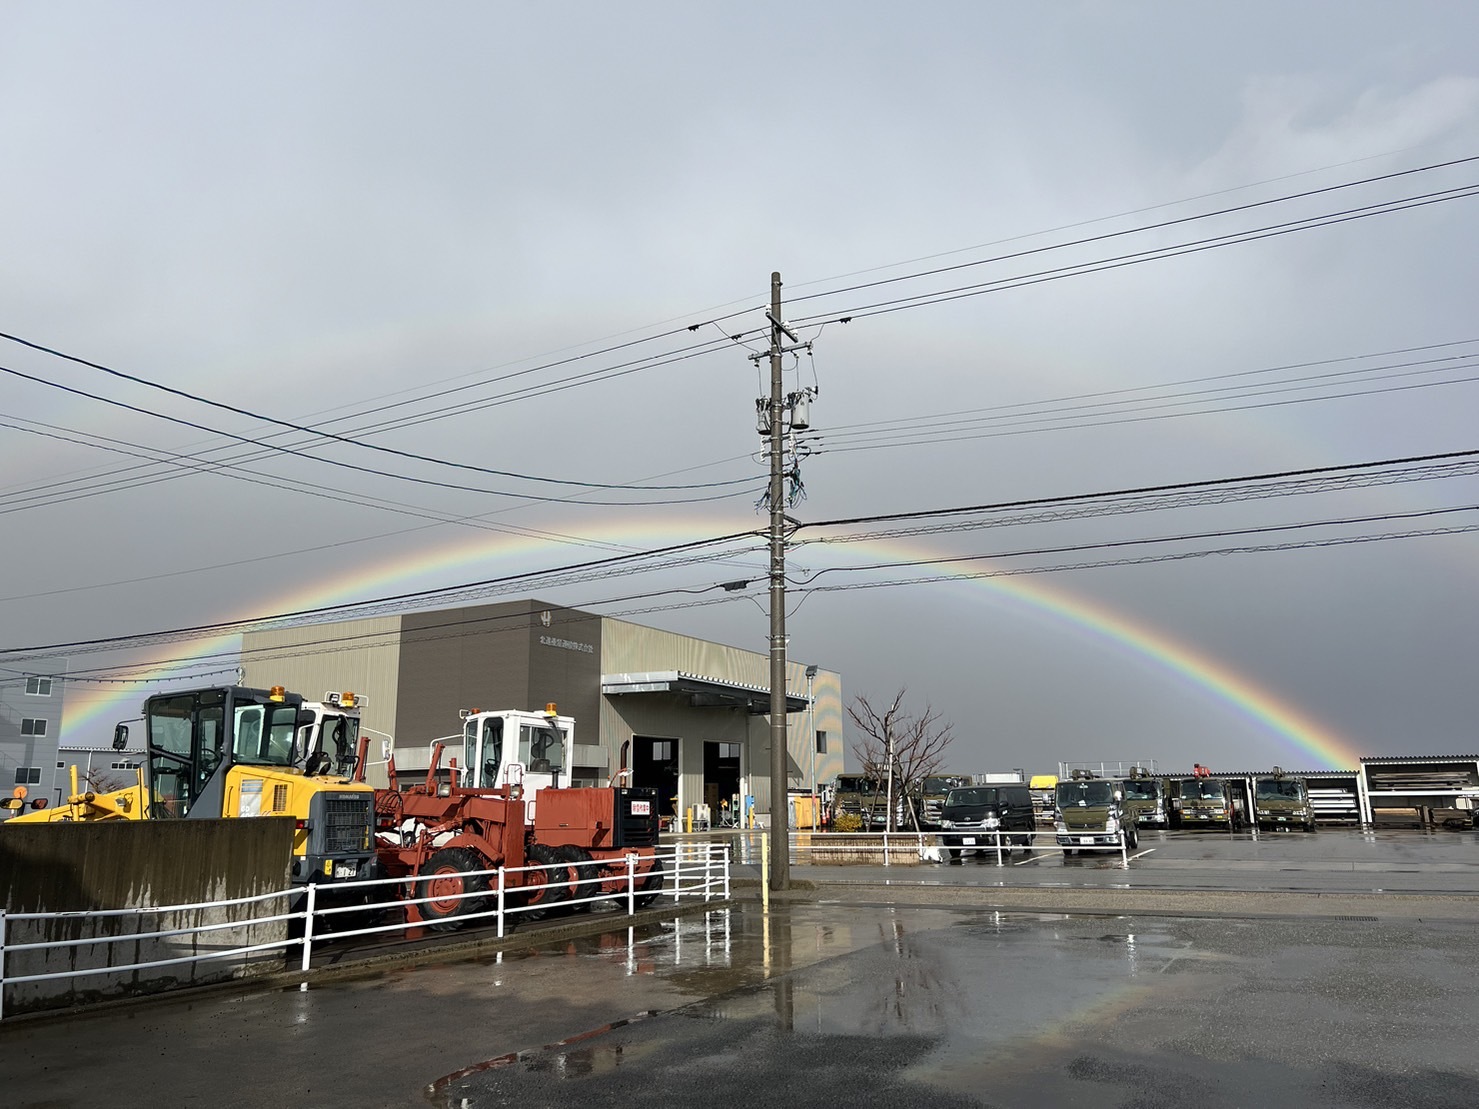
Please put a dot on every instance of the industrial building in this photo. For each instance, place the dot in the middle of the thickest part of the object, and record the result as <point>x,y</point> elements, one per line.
<point>30,726</point>
<point>684,715</point>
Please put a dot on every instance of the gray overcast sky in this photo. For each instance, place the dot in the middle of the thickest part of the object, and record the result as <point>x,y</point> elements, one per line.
<point>310,210</point>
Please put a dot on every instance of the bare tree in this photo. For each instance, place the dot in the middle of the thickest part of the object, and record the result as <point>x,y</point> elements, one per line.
<point>105,780</point>
<point>919,743</point>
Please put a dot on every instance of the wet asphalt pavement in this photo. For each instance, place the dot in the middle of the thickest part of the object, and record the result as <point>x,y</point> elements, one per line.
<point>855,1002</point>
<point>1333,861</point>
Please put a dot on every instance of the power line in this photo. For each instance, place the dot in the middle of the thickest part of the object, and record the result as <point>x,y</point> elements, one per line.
<point>224,626</point>
<point>1114,544</point>
<point>288,425</point>
<point>360,469</point>
<point>1141,229</point>
<point>1070,498</point>
<point>1153,254</point>
<point>1141,398</point>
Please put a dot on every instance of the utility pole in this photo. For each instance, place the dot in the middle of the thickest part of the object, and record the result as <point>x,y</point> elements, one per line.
<point>780,831</point>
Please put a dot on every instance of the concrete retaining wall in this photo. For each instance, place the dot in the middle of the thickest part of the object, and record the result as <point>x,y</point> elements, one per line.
<point>78,868</point>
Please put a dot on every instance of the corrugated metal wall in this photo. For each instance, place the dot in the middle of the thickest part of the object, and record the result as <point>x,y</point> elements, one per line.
<point>358,655</point>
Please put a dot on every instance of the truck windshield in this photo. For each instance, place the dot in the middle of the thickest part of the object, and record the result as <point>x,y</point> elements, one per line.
<point>1085,793</point>
<point>1270,789</point>
<point>1202,789</point>
<point>934,784</point>
<point>1142,789</point>
<point>850,783</point>
<point>961,797</point>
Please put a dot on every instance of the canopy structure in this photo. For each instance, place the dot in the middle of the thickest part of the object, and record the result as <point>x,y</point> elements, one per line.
<point>698,691</point>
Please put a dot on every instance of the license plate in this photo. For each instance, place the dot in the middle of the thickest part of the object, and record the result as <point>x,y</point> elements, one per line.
<point>968,841</point>
<point>346,870</point>
<point>1283,818</point>
<point>1087,841</point>
<point>641,808</point>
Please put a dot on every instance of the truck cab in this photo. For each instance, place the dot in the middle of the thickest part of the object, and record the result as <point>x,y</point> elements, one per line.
<point>1283,802</point>
<point>513,748</point>
<point>861,796</point>
<point>1204,803</point>
<point>328,735</point>
<point>1090,813</point>
<point>932,794</point>
<point>1147,800</point>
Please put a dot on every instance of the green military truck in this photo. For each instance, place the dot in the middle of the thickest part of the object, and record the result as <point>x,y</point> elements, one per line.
<point>1147,799</point>
<point>1204,803</point>
<point>1091,813</point>
<point>932,794</point>
<point>863,797</point>
<point>1282,802</point>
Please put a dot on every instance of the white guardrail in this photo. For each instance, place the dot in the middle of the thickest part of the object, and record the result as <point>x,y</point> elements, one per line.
<point>810,848</point>
<point>690,870</point>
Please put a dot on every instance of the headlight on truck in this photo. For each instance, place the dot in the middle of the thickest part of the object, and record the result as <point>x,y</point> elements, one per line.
<point>947,824</point>
<point>1112,825</point>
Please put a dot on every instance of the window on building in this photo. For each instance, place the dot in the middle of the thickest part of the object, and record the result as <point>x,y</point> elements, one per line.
<point>821,743</point>
<point>729,750</point>
<point>38,687</point>
<point>61,766</point>
<point>27,775</point>
<point>31,725</point>
<point>663,750</point>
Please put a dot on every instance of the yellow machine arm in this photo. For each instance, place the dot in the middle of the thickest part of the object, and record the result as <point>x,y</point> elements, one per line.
<point>129,803</point>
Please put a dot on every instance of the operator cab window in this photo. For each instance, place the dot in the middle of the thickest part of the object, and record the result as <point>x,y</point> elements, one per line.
<point>542,748</point>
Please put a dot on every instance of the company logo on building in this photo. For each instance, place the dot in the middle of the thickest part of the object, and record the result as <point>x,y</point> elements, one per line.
<point>545,617</point>
<point>567,644</point>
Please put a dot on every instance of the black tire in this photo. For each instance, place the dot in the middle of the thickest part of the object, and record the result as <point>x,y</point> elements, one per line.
<point>543,890</point>
<point>444,876</point>
<point>582,869</point>
<point>1132,839</point>
<point>650,885</point>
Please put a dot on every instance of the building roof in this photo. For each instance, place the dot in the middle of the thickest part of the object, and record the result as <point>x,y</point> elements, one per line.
<point>1365,759</point>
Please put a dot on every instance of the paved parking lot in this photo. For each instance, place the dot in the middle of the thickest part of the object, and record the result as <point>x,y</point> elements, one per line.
<point>1343,860</point>
<point>1260,988</point>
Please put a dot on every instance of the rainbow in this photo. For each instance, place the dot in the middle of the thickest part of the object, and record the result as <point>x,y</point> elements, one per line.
<point>1293,729</point>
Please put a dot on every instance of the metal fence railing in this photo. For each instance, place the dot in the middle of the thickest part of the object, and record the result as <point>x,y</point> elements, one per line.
<point>299,917</point>
<point>808,848</point>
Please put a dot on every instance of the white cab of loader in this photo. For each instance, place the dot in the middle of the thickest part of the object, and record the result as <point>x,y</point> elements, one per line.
<point>508,747</point>
<point>329,744</point>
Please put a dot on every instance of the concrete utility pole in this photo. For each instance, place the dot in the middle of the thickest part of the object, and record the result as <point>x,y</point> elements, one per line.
<point>780,830</point>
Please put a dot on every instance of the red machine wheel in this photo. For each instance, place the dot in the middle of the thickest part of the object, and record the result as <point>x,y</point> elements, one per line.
<point>543,889</point>
<point>583,869</point>
<point>443,878</point>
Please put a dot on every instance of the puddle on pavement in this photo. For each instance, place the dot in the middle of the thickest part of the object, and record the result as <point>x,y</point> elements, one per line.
<point>942,994</point>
